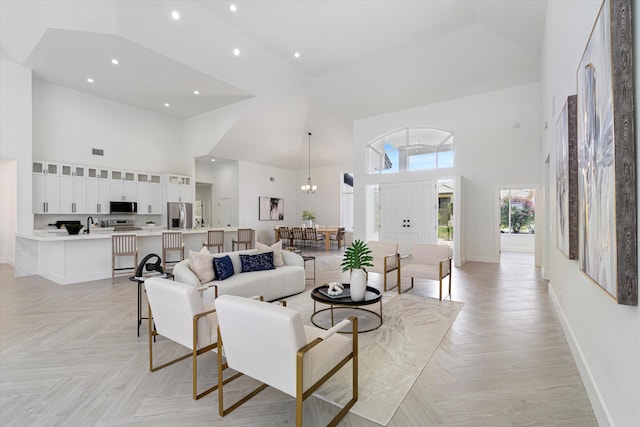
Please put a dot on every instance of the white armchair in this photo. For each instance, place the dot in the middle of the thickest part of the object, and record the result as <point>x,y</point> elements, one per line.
<point>385,260</point>
<point>429,261</point>
<point>178,313</point>
<point>270,344</point>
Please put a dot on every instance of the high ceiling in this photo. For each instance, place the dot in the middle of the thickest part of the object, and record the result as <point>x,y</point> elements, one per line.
<point>358,58</point>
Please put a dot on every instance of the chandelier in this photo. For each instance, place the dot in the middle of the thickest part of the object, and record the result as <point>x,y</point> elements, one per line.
<point>309,188</point>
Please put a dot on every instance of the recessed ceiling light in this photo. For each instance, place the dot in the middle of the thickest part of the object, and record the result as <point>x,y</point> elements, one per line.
<point>90,80</point>
<point>236,52</point>
<point>114,61</point>
<point>175,15</point>
<point>166,104</point>
<point>297,54</point>
<point>196,92</point>
<point>232,7</point>
<point>213,160</point>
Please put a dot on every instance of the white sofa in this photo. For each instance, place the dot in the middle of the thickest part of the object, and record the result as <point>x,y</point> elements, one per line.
<point>280,282</point>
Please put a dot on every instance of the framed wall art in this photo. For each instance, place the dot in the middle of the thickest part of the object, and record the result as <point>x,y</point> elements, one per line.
<point>567,180</point>
<point>270,209</point>
<point>607,243</point>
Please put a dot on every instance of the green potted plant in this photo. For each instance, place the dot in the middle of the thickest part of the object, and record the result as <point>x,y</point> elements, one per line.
<point>309,215</point>
<point>356,257</point>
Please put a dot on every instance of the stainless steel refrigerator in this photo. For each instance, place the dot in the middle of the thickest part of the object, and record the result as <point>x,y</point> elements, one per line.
<point>179,215</point>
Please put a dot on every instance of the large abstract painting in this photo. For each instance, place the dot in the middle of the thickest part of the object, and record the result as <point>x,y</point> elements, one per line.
<point>606,155</point>
<point>567,180</point>
<point>271,208</point>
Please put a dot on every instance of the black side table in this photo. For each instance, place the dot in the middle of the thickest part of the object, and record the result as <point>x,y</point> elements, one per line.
<point>140,281</point>
<point>306,258</point>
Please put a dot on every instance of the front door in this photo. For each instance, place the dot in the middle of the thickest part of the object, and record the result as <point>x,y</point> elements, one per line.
<point>409,213</point>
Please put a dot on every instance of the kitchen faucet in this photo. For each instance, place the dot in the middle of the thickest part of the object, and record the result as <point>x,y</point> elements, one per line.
<point>88,224</point>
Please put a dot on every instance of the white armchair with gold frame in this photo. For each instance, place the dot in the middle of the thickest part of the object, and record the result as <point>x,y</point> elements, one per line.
<point>272,345</point>
<point>429,261</point>
<point>176,312</point>
<point>385,260</point>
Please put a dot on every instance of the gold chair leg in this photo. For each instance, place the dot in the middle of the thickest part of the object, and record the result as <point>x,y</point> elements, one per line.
<point>221,367</point>
<point>301,396</point>
<point>194,354</point>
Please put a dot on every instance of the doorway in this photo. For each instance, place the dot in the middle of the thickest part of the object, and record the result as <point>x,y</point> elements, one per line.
<point>203,206</point>
<point>517,221</point>
<point>223,212</point>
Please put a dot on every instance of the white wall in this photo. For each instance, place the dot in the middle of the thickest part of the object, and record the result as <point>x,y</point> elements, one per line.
<point>254,182</point>
<point>15,136</point>
<point>8,210</point>
<point>489,152</point>
<point>518,242</point>
<point>603,336</point>
<point>67,124</point>
<point>326,200</point>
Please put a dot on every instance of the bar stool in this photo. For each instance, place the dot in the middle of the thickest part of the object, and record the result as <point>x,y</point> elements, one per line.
<point>123,245</point>
<point>171,242</point>
<point>215,238</point>
<point>245,236</point>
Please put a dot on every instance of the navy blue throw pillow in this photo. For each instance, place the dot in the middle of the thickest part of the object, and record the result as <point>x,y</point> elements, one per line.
<point>223,267</point>
<point>258,262</point>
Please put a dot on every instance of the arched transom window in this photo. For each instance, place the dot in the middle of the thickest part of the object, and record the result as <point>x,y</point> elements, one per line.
<point>411,149</point>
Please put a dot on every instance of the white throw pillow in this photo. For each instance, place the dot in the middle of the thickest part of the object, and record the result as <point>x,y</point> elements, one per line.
<point>278,261</point>
<point>201,263</point>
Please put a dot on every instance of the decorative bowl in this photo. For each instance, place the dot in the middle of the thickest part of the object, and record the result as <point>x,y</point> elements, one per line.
<point>73,228</point>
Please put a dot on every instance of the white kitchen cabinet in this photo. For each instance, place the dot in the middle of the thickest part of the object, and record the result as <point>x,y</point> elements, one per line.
<point>46,187</point>
<point>73,189</point>
<point>149,193</point>
<point>98,190</point>
<point>179,189</point>
<point>123,186</point>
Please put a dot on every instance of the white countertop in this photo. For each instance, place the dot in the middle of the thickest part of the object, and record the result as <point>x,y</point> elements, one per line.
<point>48,235</point>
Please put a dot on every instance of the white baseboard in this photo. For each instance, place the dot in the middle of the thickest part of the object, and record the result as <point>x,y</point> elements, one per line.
<point>597,403</point>
<point>5,260</point>
<point>544,273</point>
<point>483,259</point>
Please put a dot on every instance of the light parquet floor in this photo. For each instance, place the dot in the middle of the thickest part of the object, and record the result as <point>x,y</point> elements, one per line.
<point>69,356</point>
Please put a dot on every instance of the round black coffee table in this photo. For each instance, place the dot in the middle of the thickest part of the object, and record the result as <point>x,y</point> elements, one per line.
<point>347,307</point>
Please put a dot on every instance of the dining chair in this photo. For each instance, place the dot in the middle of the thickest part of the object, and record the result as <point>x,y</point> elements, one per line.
<point>245,237</point>
<point>338,238</point>
<point>311,235</point>
<point>297,234</point>
<point>215,239</point>
<point>123,245</point>
<point>285,236</point>
<point>171,242</point>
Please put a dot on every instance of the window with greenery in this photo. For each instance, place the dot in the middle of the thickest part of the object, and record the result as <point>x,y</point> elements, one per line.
<point>517,211</point>
<point>411,149</point>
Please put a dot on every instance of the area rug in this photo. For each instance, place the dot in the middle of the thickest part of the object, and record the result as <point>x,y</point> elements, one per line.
<point>391,357</point>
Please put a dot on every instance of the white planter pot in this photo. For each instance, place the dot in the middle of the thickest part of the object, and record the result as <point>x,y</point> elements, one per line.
<point>358,284</point>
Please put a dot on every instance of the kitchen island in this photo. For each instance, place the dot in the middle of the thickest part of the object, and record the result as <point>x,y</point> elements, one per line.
<point>66,259</point>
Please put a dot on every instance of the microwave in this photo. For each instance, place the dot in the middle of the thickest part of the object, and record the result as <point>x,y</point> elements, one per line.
<point>123,207</point>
